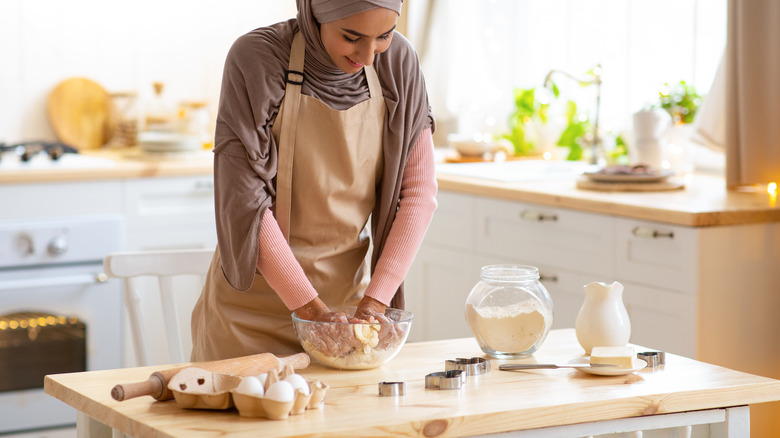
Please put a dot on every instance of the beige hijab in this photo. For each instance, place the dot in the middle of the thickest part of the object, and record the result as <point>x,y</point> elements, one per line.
<point>253,84</point>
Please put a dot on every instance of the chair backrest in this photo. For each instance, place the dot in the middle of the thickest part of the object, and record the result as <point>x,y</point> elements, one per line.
<point>166,266</point>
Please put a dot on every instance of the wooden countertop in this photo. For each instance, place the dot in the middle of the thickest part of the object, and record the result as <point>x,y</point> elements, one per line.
<point>495,402</point>
<point>704,201</point>
<point>119,164</point>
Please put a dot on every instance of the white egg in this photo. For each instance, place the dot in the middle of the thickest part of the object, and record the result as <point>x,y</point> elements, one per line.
<point>298,382</point>
<point>280,391</point>
<point>262,377</point>
<point>250,386</point>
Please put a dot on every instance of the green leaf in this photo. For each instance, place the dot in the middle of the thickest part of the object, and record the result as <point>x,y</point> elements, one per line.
<point>570,111</point>
<point>681,101</point>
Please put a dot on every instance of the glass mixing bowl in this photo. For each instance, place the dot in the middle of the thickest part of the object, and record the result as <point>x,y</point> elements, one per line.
<point>354,346</point>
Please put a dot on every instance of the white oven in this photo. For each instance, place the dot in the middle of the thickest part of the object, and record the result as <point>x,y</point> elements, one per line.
<point>58,312</point>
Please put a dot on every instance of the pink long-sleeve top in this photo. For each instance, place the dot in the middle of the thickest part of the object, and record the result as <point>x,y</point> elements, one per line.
<point>285,275</point>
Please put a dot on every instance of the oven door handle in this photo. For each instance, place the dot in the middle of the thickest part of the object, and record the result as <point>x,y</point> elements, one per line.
<point>70,280</point>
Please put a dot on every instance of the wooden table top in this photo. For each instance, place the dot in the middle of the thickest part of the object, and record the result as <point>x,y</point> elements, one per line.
<point>496,402</point>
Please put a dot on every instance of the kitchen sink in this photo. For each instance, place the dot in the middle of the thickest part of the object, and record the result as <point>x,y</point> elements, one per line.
<point>519,170</point>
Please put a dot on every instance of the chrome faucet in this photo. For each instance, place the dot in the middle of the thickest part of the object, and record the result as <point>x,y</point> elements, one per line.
<point>594,79</point>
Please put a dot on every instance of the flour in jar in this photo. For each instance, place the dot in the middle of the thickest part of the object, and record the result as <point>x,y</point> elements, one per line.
<point>511,329</point>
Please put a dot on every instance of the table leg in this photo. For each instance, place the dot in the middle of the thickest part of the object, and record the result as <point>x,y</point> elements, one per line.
<point>88,427</point>
<point>737,424</point>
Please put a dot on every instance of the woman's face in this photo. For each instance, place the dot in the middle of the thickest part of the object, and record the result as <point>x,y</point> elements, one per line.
<point>353,41</point>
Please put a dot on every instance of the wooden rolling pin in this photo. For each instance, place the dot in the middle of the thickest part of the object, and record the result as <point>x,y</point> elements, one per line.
<point>157,383</point>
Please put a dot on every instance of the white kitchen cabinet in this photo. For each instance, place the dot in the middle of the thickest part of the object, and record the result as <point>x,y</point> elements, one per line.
<point>445,264</point>
<point>577,241</point>
<point>451,274</point>
<point>656,263</point>
<point>170,213</point>
<point>664,319</point>
<point>656,254</point>
<point>44,200</point>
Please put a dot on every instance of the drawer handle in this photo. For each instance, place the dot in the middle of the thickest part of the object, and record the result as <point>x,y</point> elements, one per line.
<point>537,216</point>
<point>651,233</point>
<point>548,278</point>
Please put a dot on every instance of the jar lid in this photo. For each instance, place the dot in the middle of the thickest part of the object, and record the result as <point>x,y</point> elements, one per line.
<point>509,272</point>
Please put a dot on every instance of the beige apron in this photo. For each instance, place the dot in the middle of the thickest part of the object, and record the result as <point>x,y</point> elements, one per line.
<point>330,163</point>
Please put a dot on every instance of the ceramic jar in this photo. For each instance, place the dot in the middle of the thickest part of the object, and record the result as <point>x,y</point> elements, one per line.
<point>509,311</point>
<point>603,320</point>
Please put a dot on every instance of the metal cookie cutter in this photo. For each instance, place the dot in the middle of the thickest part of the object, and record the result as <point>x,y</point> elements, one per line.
<point>653,358</point>
<point>387,389</point>
<point>451,379</point>
<point>471,367</point>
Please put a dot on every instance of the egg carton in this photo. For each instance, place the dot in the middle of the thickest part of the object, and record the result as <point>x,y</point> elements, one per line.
<point>274,395</point>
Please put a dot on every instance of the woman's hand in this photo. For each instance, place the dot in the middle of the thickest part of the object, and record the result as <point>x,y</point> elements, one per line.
<point>316,310</point>
<point>372,310</point>
<point>332,340</point>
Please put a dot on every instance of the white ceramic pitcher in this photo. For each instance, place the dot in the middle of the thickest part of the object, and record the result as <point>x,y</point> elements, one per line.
<point>603,319</point>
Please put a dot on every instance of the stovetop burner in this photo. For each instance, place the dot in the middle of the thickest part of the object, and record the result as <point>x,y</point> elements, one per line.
<point>29,149</point>
<point>47,155</point>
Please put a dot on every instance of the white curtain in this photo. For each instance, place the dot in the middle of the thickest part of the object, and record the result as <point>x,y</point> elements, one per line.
<point>753,93</point>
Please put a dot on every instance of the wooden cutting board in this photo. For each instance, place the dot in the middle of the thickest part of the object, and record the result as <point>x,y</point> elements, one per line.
<point>79,111</point>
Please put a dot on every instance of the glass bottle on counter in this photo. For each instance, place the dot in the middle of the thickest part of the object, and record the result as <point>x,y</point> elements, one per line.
<point>509,311</point>
<point>160,116</point>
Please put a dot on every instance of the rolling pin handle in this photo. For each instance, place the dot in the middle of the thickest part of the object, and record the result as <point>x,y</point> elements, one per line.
<point>154,386</point>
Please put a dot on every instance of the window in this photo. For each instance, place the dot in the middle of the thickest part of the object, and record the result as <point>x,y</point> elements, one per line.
<point>475,53</point>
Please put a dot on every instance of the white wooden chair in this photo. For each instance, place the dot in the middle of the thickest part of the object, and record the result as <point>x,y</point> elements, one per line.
<point>166,266</point>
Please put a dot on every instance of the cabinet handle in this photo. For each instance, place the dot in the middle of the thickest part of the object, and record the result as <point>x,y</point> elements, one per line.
<point>537,216</point>
<point>548,278</point>
<point>651,233</point>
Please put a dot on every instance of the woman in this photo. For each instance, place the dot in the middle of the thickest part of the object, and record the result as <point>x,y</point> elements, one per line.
<point>323,123</point>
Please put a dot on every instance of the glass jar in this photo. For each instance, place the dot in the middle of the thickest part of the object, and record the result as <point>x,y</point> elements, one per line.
<point>196,121</point>
<point>509,311</point>
<point>124,133</point>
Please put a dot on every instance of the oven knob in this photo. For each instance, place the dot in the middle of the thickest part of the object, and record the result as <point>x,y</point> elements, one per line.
<point>57,246</point>
<point>24,245</point>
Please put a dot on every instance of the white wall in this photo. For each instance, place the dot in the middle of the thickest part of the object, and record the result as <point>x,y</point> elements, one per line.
<point>481,50</point>
<point>121,45</point>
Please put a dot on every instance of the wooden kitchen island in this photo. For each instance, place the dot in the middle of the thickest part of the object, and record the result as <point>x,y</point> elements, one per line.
<point>538,403</point>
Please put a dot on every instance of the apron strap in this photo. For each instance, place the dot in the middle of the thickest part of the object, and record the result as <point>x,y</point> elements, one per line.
<point>292,99</point>
<point>374,87</point>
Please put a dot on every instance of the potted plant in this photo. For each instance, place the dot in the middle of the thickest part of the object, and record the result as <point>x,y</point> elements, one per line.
<point>529,112</point>
<point>681,101</point>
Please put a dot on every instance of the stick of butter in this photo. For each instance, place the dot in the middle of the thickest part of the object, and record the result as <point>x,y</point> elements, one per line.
<point>621,357</point>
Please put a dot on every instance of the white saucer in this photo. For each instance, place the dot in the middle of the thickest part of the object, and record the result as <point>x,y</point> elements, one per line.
<point>636,365</point>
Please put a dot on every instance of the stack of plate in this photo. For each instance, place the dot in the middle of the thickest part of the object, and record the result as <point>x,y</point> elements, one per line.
<point>167,142</point>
